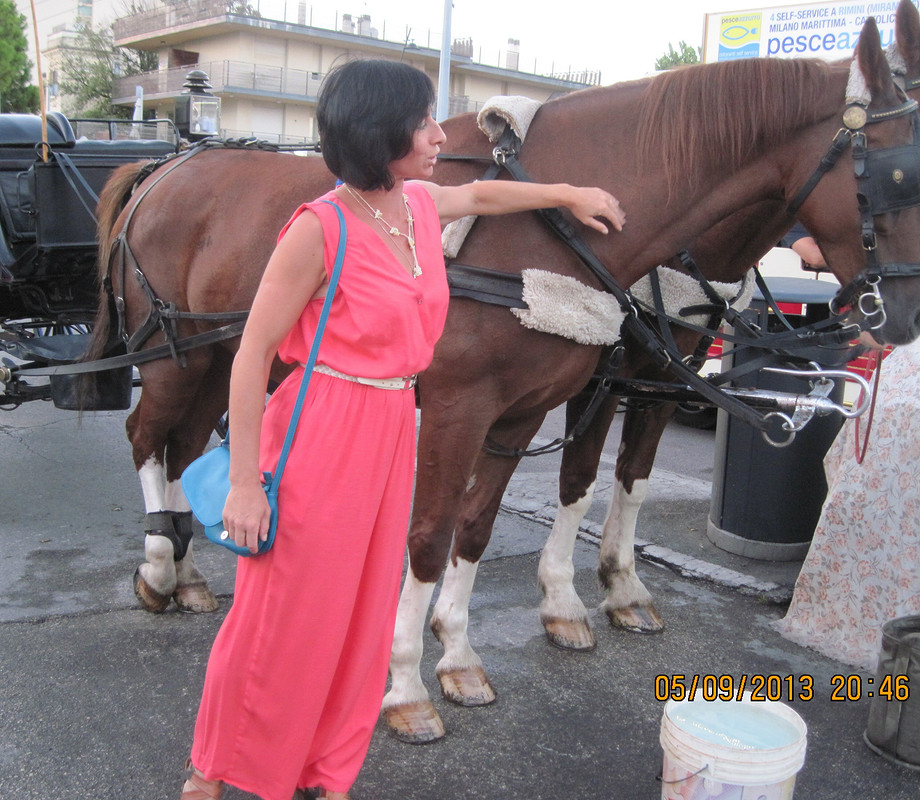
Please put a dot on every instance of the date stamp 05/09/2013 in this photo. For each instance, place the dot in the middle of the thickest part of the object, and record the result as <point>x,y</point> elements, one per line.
<point>842,688</point>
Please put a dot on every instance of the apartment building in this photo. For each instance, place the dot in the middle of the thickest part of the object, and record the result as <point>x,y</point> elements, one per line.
<point>267,69</point>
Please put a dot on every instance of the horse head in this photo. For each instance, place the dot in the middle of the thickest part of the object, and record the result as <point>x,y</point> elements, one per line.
<point>865,212</point>
<point>744,236</point>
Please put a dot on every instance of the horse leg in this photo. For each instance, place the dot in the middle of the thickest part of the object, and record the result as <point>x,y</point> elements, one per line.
<point>192,593</point>
<point>446,454</point>
<point>564,616</point>
<point>155,579</point>
<point>460,671</point>
<point>166,431</point>
<point>628,603</point>
<point>185,443</point>
<point>407,707</point>
<point>169,570</point>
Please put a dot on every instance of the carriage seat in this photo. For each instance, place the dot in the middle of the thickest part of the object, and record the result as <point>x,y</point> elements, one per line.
<point>29,186</point>
<point>19,135</point>
<point>25,130</point>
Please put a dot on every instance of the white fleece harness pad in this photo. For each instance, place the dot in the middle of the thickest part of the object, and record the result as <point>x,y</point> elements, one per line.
<point>497,114</point>
<point>566,307</point>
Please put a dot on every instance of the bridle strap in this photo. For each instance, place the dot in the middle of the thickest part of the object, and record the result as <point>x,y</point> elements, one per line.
<point>838,145</point>
<point>843,137</point>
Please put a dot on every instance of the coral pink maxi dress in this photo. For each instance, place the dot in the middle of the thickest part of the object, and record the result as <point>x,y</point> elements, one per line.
<point>298,669</point>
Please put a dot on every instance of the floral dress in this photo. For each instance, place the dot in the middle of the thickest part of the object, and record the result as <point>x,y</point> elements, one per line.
<point>863,566</point>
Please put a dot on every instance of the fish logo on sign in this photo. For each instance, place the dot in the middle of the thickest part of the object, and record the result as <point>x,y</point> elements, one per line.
<point>739,36</point>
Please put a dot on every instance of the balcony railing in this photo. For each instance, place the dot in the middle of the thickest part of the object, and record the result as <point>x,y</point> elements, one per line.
<point>274,138</point>
<point>163,16</point>
<point>224,76</point>
<point>238,76</point>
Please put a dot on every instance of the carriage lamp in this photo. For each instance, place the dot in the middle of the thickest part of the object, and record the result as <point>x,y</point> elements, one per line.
<point>197,110</point>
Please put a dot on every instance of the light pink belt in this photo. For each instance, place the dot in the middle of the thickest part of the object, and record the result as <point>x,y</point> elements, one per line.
<point>379,383</point>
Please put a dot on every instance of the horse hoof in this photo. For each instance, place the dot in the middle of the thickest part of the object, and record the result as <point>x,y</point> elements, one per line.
<point>569,634</point>
<point>636,618</point>
<point>195,598</point>
<point>150,598</point>
<point>414,723</point>
<point>467,687</point>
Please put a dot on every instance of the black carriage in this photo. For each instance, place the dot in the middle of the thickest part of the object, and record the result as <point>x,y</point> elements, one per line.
<point>48,286</point>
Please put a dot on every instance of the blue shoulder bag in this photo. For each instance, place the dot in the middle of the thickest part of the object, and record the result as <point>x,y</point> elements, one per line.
<point>206,481</point>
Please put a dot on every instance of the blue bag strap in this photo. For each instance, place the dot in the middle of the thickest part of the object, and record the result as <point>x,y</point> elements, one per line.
<point>314,349</point>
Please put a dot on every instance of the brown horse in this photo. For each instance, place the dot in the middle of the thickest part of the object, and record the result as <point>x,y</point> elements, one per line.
<point>735,143</point>
<point>737,241</point>
<point>201,232</point>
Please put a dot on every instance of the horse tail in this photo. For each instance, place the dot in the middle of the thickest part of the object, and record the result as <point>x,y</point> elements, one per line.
<point>112,200</point>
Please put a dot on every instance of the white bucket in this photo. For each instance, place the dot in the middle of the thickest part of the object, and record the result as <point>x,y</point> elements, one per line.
<point>730,750</point>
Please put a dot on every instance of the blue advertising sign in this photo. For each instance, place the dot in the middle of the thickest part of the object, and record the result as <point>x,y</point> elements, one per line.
<point>807,30</point>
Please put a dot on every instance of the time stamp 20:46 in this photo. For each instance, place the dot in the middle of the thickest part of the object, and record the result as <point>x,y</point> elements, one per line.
<point>843,688</point>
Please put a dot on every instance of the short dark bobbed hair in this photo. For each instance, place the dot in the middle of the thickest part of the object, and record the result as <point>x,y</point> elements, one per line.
<point>367,114</point>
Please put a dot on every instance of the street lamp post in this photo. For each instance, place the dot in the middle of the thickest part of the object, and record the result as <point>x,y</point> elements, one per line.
<point>443,108</point>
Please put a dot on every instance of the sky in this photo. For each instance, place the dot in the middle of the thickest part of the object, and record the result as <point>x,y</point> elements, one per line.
<point>620,39</point>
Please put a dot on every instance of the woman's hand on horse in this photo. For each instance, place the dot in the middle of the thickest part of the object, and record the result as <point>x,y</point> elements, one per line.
<point>247,515</point>
<point>591,203</point>
<point>505,197</point>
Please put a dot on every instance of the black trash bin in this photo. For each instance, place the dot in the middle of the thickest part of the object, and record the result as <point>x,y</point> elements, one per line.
<point>766,500</point>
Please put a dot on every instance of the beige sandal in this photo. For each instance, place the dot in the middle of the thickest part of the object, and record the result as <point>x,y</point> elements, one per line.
<point>197,787</point>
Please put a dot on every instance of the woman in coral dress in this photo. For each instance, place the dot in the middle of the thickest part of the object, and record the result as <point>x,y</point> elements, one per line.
<point>297,672</point>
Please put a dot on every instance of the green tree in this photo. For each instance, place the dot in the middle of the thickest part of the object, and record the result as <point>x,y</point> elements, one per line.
<point>91,65</point>
<point>16,93</point>
<point>674,58</point>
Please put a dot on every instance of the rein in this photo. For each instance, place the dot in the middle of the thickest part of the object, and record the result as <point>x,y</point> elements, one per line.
<point>861,452</point>
<point>781,346</point>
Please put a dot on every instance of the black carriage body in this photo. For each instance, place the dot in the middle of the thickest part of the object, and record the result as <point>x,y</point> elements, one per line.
<point>48,283</point>
<point>48,246</point>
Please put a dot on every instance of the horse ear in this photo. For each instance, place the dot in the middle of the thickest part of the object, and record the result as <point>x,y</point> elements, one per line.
<point>907,35</point>
<point>872,62</point>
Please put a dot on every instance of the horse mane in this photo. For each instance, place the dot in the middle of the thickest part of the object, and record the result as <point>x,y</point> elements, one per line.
<point>727,113</point>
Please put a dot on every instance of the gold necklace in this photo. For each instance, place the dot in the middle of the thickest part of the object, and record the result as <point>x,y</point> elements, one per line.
<point>392,230</point>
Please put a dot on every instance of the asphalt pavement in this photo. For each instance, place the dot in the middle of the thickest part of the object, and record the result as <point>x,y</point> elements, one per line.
<point>99,697</point>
